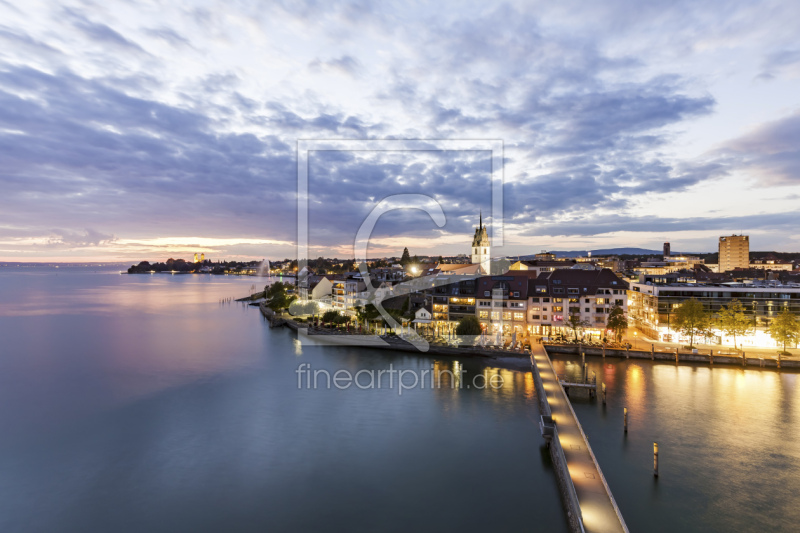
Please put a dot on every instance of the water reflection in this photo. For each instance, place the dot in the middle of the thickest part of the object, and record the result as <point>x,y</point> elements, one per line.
<point>729,456</point>
<point>171,412</point>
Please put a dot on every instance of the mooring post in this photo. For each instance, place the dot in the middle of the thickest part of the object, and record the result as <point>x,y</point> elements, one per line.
<point>625,418</point>
<point>604,393</point>
<point>744,359</point>
<point>585,373</point>
<point>711,357</point>
<point>604,350</point>
<point>627,352</point>
<point>653,352</point>
<point>779,360</point>
<point>655,459</point>
<point>676,355</point>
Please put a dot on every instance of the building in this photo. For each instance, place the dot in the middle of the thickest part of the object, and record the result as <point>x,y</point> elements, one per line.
<point>501,302</point>
<point>652,306</point>
<point>666,250</point>
<point>770,262</point>
<point>589,294</point>
<point>734,252</point>
<point>313,287</point>
<point>451,302</point>
<point>481,248</point>
<point>541,265</point>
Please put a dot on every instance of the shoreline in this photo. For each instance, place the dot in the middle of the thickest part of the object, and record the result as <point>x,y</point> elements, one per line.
<point>520,361</point>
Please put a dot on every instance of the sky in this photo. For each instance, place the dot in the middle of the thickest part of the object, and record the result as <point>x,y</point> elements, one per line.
<point>153,129</point>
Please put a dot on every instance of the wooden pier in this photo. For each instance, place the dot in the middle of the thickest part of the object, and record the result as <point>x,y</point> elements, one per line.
<point>587,498</point>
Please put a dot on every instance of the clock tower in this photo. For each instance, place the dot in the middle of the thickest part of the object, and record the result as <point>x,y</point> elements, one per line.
<point>481,249</point>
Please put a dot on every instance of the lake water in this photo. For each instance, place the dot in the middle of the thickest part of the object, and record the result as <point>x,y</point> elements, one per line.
<point>140,403</point>
<point>728,439</point>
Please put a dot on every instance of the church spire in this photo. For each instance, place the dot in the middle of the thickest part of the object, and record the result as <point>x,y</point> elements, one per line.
<point>480,223</point>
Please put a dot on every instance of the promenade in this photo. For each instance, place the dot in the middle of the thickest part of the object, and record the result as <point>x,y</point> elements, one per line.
<point>598,511</point>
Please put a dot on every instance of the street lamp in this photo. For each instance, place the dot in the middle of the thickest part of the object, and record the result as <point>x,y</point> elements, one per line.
<point>635,333</point>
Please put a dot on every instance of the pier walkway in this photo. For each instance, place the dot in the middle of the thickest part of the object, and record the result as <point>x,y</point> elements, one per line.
<point>597,511</point>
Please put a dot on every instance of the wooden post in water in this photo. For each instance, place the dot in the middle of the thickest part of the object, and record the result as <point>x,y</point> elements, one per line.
<point>585,372</point>
<point>779,360</point>
<point>655,459</point>
<point>711,357</point>
<point>653,352</point>
<point>604,350</point>
<point>604,393</point>
<point>744,359</point>
<point>625,418</point>
<point>627,352</point>
<point>676,355</point>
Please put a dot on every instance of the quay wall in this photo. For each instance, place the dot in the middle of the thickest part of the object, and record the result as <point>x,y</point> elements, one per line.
<point>670,356</point>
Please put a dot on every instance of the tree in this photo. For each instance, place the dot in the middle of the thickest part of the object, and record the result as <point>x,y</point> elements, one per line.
<point>691,319</point>
<point>330,317</point>
<point>277,298</point>
<point>785,329</point>
<point>468,325</point>
<point>733,321</point>
<point>309,307</point>
<point>617,322</point>
<point>406,259</point>
<point>575,324</point>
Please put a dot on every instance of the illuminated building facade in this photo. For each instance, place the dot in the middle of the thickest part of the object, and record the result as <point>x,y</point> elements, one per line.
<point>652,307</point>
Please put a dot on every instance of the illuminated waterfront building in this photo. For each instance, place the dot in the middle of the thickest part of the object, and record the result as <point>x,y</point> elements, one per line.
<point>652,307</point>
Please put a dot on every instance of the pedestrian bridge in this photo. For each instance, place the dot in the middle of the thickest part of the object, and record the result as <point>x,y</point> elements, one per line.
<point>587,498</point>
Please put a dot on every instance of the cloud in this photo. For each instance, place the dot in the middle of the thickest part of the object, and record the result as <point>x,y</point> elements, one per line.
<point>771,151</point>
<point>593,104</point>
<point>345,64</point>
<point>89,237</point>
<point>588,226</point>
<point>169,36</point>
<point>103,34</point>
<point>785,61</point>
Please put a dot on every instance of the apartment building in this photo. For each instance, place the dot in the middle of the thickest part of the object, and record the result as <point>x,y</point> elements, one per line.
<point>589,294</point>
<point>734,252</point>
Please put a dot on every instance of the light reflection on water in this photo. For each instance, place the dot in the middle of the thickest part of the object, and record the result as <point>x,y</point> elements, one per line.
<point>138,403</point>
<point>729,452</point>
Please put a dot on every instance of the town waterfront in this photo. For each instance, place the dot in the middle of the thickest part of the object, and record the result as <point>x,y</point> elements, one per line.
<point>151,406</point>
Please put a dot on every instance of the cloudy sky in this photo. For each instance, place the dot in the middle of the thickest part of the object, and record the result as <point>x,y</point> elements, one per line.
<point>149,129</point>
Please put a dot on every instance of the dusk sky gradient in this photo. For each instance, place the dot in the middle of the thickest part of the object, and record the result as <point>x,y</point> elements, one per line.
<point>147,130</point>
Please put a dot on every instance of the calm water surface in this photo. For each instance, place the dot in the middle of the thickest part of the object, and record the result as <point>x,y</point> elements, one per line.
<point>729,444</point>
<point>139,403</point>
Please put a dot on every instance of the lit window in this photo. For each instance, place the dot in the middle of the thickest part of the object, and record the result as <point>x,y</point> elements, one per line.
<point>483,314</point>
<point>519,316</point>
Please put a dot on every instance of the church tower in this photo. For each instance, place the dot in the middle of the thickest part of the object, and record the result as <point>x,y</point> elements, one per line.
<point>481,249</point>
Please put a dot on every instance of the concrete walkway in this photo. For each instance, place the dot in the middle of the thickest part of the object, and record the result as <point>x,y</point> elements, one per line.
<point>598,509</point>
